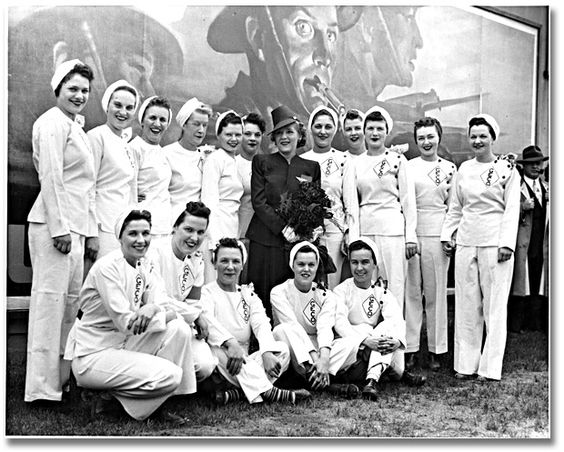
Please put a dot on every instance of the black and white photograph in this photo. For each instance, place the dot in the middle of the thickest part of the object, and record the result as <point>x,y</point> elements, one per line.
<point>252,221</point>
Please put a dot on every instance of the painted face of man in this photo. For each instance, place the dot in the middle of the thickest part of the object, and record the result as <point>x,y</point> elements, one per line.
<point>399,49</point>
<point>309,37</point>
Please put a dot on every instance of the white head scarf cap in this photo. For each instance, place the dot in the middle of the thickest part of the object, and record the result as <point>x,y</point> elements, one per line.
<point>241,247</point>
<point>121,219</point>
<point>119,222</point>
<point>61,72</point>
<point>143,107</point>
<point>371,244</point>
<point>331,112</point>
<point>298,246</point>
<point>113,88</point>
<point>384,113</point>
<point>490,120</point>
<point>343,118</point>
<point>220,118</point>
<point>187,109</point>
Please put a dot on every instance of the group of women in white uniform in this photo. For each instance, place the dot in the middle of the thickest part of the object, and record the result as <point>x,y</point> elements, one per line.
<point>417,212</point>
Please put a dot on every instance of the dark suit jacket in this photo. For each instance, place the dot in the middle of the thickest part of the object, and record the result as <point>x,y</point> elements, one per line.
<point>272,176</point>
<point>530,234</point>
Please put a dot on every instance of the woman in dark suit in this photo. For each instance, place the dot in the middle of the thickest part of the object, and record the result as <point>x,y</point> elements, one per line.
<point>272,175</point>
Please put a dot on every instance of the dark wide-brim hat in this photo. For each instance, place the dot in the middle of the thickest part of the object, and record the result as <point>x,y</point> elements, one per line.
<point>532,154</point>
<point>282,116</point>
<point>108,27</point>
<point>227,34</point>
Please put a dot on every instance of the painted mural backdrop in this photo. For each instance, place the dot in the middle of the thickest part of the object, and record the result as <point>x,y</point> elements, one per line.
<point>437,61</point>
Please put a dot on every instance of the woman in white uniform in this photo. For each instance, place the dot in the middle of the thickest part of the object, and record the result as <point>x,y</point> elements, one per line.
<point>180,264</point>
<point>154,173</point>
<point>62,228</point>
<point>185,157</point>
<point>323,124</point>
<point>222,188</point>
<point>379,200</point>
<point>126,344</point>
<point>482,223</point>
<point>116,166</point>
<point>253,131</point>
<point>427,272</point>
<point>241,314</point>
<point>353,132</point>
<point>304,315</point>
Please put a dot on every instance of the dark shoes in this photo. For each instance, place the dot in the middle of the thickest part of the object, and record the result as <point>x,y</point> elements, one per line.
<point>301,394</point>
<point>434,363</point>
<point>460,376</point>
<point>412,379</point>
<point>370,390</point>
<point>410,361</point>
<point>347,390</point>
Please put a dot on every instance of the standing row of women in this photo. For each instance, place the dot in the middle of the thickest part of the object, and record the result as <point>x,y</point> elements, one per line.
<point>88,179</point>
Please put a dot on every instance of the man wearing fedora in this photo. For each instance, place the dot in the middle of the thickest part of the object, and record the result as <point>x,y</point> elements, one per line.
<point>290,51</point>
<point>527,307</point>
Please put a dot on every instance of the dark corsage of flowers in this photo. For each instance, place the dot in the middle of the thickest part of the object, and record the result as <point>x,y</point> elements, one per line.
<point>305,210</point>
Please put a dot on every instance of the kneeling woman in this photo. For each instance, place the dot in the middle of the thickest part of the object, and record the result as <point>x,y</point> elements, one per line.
<point>240,313</point>
<point>125,343</point>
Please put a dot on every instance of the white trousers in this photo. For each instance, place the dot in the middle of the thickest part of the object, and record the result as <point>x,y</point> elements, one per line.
<point>333,241</point>
<point>482,287</point>
<point>392,264</point>
<point>378,363</point>
<point>150,368</point>
<point>252,378</point>
<point>204,360</point>
<point>107,242</point>
<point>427,275</point>
<point>56,283</point>
<point>342,355</point>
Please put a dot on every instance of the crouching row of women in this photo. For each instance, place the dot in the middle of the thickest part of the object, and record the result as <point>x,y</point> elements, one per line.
<point>148,330</point>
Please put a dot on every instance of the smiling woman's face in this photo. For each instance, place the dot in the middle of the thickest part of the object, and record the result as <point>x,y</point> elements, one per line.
<point>286,139</point>
<point>229,264</point>
<point>135,240</point>
<point>121,109</point>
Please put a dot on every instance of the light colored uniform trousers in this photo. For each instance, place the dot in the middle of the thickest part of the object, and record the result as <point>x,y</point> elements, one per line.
<point>378,363</point>
<point>342,355</point>
<point>204,360</point>
<point>107,242</point>
<point>481,292</point>
<point>392,266</point>
<point>150,368</point>
<point>252,378</point>
<point>57,279</point>
<point>333,241</point>
<point>427,275</point>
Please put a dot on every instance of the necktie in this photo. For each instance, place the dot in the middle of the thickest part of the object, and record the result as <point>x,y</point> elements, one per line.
<point>537,190</point>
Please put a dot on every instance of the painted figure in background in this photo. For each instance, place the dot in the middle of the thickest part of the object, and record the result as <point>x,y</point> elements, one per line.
<point>377,51</point>
<point>291,55</point>
<point>148,57</point>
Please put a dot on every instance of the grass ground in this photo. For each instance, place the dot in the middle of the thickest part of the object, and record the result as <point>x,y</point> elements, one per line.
<point>516,407</point>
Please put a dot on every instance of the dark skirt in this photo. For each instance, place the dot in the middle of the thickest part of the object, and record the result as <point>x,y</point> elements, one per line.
<point>268,267</point>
